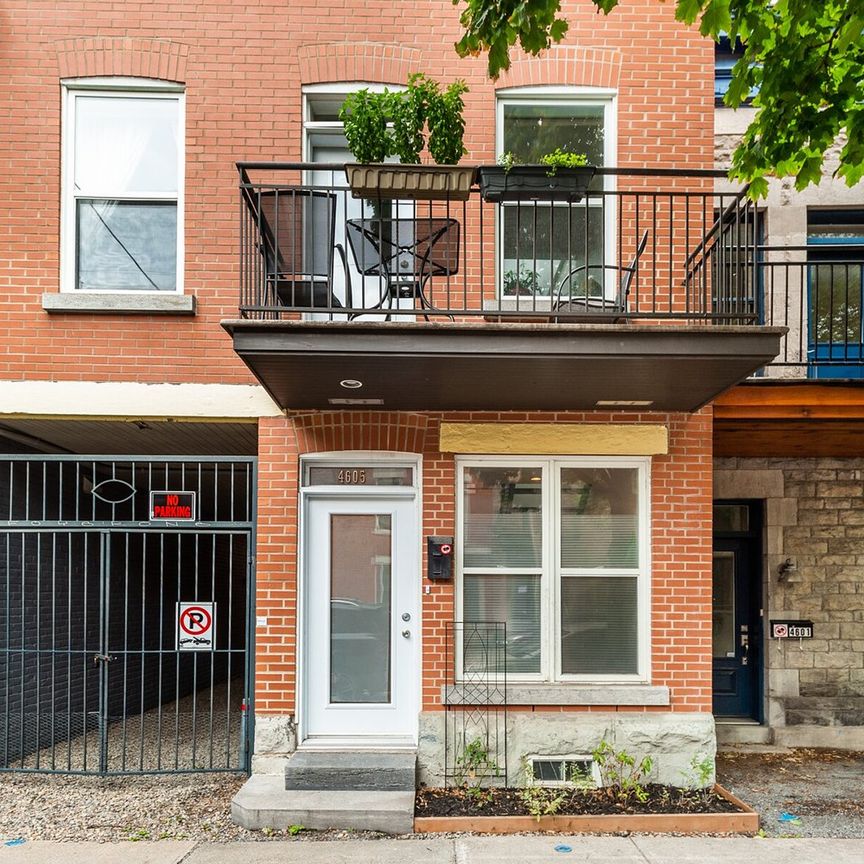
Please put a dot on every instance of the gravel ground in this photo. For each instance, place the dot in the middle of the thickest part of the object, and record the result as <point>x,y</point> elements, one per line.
<point>179,807</point>
<point>823,788</point>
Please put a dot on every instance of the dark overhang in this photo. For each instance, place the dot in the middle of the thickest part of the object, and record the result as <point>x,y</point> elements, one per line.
<point>499,367</point>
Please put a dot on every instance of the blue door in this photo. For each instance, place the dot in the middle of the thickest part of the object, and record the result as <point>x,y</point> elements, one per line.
<point>736,597</point>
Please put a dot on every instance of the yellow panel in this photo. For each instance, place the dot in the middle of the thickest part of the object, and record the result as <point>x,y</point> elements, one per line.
<point>575,439</point>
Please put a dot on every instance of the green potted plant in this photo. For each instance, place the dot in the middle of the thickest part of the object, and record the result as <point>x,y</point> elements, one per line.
<point>560,176</point>
<point>380,125</point>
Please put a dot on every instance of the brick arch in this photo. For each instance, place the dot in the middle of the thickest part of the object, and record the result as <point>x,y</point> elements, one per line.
<point>568,66</point>
<point>134,58</point>
<point>357,430</point>
<point>375,62</point>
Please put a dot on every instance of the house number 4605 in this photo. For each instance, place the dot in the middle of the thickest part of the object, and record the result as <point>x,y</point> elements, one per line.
<point>351,476</point>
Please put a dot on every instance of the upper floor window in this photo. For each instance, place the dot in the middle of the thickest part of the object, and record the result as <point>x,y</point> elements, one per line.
<point>540,245</point>
<point>122,222</point>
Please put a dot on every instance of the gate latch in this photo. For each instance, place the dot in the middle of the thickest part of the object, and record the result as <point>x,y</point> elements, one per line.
<point>101,658</point>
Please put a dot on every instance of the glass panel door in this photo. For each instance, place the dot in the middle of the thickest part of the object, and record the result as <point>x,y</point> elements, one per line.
<point>360,607</point>
<point>361,618</point>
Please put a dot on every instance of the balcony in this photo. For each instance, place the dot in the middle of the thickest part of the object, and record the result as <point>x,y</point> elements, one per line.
<point>816,291</point>
<point>639,295</point>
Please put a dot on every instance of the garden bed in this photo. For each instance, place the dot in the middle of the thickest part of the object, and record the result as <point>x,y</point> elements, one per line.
<point>592,811</point>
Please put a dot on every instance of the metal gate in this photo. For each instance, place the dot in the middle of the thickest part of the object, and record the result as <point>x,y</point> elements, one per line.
<point>96,673</point>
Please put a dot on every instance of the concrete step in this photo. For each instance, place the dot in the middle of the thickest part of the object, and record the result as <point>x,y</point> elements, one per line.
<point>342,770</point>
<point>731,734</point>
<point>263,802</point>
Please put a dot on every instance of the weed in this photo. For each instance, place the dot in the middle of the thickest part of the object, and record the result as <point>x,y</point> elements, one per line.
<point>621,775</point>
<point>139,834</point>
<point>474,763</point>
<point>294,830</point>
<point>542,800</point>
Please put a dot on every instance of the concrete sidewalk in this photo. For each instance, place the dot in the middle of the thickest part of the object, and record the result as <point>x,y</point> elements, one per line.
<point>463,850</point>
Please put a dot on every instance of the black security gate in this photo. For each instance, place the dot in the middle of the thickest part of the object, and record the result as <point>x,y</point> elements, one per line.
<point>124,635</point>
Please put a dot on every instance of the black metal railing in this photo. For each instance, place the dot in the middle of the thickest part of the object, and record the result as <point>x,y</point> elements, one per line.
<point>817,292</point>
<point>651,244</point>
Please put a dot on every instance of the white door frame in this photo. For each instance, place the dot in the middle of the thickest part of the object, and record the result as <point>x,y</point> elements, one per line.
<point>348,459</point>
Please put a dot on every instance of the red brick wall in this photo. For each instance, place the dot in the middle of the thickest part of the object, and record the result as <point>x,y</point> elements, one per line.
<point>243,66</point>
<point>680,524</point>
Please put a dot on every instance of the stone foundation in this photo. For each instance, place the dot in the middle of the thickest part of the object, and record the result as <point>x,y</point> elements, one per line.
<point>672,740</point>
<point>275,741</point>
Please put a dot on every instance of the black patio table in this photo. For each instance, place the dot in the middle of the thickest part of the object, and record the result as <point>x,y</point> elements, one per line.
<point>405,253</point>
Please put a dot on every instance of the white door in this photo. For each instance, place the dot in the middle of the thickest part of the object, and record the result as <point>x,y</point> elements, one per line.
<point>361,655</point>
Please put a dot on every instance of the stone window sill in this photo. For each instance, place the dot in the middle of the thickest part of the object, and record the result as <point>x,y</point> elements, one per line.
<point>120,303</point>
<point>573,694</point>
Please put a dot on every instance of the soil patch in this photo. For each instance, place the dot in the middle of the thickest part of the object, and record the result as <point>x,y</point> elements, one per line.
<point>573,802</point>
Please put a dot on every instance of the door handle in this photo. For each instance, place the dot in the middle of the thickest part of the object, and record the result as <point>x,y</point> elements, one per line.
<point>745,649</point>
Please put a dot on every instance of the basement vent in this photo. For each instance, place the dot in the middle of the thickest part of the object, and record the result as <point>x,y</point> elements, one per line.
<point>566,770</point>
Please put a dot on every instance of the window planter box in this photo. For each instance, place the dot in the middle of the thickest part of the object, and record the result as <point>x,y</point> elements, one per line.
<point>744,820</point>
<point>533,183</point>
<point>410,182</point>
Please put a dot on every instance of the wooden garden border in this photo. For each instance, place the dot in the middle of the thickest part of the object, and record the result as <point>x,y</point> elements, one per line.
<point>744,822</point>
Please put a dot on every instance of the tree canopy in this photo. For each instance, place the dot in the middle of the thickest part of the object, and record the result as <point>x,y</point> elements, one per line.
<point>805,59</point>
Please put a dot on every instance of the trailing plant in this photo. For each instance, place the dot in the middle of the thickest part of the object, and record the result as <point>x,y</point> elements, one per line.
<point>620,773</point>
<point>508,161</point>
<point>559,158</point>
<point>364,117</point>
<point>446,123</point>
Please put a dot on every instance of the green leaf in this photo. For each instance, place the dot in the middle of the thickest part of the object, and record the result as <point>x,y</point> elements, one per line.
<point>716,19</point>
<point>688,10</point>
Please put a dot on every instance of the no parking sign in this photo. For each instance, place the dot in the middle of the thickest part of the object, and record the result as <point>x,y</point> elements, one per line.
<point>196,626</point>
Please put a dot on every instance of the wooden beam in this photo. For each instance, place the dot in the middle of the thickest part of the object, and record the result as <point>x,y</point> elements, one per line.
<point>790,402</point>
<point>795,438</point>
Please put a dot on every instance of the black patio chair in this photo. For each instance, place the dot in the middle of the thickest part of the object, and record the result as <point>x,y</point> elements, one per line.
<point>297,241</point>
<point>591,303</point>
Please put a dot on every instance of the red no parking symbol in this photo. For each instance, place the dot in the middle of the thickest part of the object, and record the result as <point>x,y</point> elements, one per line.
<point>194,626</point>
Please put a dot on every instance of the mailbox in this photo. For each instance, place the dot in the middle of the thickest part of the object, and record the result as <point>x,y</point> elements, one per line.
<point>440,564</point>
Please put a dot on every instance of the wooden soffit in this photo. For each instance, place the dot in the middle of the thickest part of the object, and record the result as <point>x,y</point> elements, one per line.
<point>790,419</point>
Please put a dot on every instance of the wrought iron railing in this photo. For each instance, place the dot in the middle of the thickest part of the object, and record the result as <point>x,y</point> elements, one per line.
<point>817,292</point>
<point>645,244</point>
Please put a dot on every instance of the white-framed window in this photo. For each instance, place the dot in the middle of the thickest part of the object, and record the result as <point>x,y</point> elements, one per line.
<point>559,550</point>
<point>122,181</point>
<point>540,244</point>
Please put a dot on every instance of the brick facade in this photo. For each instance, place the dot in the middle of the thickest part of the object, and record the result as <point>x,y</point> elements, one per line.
<point>680,551</point>
<point>243,69</point>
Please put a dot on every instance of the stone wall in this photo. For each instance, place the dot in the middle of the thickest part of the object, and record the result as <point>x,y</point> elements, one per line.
<point>814,514</point>
<point>673,741</point>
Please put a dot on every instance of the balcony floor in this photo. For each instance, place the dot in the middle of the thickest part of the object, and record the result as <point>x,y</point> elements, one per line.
<point>499,366</point>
